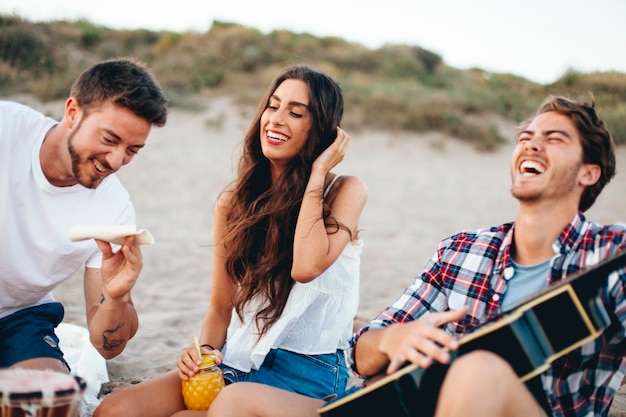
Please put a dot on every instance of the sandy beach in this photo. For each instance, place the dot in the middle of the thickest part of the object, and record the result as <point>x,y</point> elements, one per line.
<point>421,189</point>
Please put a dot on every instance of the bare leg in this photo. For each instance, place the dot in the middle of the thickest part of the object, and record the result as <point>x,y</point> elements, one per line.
<point>190,413</point>
<point>482,384</point>
<point>248,399</point>
<point>156,397</point>
<point>43,364</point>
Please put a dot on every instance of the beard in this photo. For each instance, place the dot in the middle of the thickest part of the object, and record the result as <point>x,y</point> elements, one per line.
<point>84,180</point>
<point>563,184</point>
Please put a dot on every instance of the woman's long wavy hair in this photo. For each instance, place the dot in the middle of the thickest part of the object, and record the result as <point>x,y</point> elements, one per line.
<point>262,219</point>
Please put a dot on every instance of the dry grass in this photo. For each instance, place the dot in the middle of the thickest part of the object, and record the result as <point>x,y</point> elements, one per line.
<point>395,87</point>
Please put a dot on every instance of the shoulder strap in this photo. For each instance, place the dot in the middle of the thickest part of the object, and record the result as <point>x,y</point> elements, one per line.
<point>330,185</point>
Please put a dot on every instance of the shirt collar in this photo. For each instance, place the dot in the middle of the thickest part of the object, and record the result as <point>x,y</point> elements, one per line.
<point>564,243</point>
<point>567,239</point>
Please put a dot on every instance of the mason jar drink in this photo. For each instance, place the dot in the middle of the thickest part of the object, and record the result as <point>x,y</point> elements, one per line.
<point>202,388</point>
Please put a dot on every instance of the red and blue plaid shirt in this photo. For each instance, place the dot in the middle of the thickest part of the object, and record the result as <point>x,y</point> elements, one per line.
<point>472,268</point>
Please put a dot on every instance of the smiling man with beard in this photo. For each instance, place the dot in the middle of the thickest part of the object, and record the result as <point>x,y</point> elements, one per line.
<point>564,157</point>
<point>54,175</point>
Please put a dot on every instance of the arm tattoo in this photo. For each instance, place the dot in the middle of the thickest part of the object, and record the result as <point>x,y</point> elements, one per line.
<point>109,342</point>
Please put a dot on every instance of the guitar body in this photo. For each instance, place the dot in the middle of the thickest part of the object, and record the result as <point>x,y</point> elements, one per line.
<point>529,338</point>
<point>410,392</point>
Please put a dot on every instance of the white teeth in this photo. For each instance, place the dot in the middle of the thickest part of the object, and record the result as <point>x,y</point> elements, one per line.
<point>98,166</point>
<point>277,136</point>
<point>531,168</point>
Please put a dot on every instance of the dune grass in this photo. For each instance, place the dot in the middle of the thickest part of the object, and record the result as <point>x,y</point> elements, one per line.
<point>395,87</point>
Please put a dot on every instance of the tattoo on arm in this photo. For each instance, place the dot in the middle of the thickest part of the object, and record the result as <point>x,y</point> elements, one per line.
<point>110,343</point>
<point>102,298</point>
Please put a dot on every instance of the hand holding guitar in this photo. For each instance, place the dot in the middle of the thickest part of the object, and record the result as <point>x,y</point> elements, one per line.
<point>420,341</point>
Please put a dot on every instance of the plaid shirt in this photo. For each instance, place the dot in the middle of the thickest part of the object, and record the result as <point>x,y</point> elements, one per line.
<point>472,268</point>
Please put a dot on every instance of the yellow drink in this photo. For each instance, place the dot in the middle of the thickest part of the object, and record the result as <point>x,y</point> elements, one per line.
<point>201,389</point>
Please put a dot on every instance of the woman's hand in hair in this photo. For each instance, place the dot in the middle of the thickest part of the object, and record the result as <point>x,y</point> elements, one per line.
<point>334,154</point>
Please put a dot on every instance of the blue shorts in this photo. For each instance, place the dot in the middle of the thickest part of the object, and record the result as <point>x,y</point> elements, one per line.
<point>29,334</point>
<point>315,376</point>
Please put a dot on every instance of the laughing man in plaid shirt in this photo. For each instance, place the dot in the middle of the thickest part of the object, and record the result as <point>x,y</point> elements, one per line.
<point>563,158</point>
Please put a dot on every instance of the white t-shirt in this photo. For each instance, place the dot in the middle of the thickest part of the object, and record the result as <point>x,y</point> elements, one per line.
<point>35,216</point>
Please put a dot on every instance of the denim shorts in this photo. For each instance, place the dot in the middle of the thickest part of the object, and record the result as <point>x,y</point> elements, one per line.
<point>29,334</point>
<point>315,376</point>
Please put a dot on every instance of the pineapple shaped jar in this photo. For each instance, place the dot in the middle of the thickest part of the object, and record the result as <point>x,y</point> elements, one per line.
<point>200,390</point>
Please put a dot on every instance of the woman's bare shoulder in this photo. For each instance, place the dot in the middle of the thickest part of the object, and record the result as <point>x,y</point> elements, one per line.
<point>348,188</point>
<point>225,198</point>
<point>352,184</point>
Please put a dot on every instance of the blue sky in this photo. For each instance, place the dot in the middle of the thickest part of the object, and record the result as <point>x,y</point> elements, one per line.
<point>536,39</point>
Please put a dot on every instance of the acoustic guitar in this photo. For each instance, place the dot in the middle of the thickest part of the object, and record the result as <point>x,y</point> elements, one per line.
<point>541,329</point>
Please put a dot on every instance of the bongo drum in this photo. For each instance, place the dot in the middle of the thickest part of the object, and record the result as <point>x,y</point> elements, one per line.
<point>38,393</point>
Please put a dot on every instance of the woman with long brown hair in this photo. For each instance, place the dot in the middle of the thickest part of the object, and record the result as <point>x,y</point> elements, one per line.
<point>286,259</point>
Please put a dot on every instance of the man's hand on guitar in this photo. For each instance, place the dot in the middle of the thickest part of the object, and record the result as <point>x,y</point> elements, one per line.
<point>420,341</point>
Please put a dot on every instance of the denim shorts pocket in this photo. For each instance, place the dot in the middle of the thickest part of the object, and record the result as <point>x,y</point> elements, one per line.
<point>327,361</point>
<point>316,375</point>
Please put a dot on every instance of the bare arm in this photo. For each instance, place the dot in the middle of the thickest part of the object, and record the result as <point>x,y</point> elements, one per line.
<point>217,318</point>
<point>419,342</point>
<point>111,316</point>
<point>315,249</point>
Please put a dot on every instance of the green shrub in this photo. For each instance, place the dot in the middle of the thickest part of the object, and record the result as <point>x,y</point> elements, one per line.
<point>90,34</point>
<point>395,87</point>
<point>26,47</point>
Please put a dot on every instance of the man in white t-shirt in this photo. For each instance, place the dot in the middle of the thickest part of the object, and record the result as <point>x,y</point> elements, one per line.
<point>54,175</point>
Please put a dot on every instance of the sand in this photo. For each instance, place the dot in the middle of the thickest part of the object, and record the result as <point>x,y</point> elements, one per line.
<point>421,189</point>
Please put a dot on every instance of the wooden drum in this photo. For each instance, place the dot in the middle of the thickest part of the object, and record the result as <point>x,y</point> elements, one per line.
<point>37,393</point>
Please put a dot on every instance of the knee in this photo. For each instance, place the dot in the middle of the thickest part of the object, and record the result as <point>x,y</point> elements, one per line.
<point>118,403</point>
<point>481,366</point>
<point>471,376</point>
<point>228,402</point>
<point>109,408</point>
